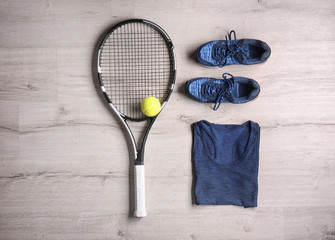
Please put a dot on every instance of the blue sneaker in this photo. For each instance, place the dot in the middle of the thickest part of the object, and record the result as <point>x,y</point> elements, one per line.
<point>233,90</point>
<point>233,51</point>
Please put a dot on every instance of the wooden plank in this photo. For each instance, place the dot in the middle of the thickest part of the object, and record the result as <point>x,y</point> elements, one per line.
<point>9,131</point>
<point>72,206</point>
<point>309,223</point>
<point>28,74</point>
<point>59,23</point>
<point>204,21</point>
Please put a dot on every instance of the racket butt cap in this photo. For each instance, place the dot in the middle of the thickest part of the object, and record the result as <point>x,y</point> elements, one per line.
<point>140,213</point>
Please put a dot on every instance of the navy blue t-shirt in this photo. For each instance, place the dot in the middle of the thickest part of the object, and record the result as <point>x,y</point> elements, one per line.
<point>225,159</point>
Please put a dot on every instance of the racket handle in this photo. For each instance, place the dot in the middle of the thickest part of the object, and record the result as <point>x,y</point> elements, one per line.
<point>139,192</point>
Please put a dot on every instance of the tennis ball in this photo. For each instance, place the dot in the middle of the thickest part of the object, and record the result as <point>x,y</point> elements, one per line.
<point>150,106</point>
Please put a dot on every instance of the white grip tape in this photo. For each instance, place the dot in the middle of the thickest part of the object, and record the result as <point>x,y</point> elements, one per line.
<point>139,192</point>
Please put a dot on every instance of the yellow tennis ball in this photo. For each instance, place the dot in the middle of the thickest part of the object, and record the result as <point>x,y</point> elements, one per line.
<point>150,106</point>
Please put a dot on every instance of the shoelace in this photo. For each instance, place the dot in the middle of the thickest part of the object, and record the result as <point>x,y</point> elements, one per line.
<point>224,51</point>
<point>219,92</point>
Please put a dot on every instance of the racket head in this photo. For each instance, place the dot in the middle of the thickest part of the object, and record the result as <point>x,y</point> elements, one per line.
<point>136,60</point>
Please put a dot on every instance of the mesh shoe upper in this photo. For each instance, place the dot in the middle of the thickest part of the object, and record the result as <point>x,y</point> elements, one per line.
<point>233,89</point>
<point>232,52</point>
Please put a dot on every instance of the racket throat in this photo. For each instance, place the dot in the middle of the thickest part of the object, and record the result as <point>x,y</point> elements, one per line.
<point>139,157</point>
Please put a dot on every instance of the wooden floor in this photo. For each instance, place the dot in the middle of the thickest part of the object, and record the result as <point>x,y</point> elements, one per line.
<point>64,161</point>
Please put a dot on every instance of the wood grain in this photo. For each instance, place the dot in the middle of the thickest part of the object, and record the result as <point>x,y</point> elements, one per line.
<point>65,169</point>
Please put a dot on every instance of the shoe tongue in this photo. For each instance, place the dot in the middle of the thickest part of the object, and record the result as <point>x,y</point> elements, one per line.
<point>239,56</point>
<point>236,90</point>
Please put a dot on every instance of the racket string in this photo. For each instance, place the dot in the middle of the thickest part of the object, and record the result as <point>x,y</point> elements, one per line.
<point>136,63</point>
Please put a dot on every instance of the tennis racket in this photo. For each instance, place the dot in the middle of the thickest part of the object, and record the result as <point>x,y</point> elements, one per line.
<point>136,60</point>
